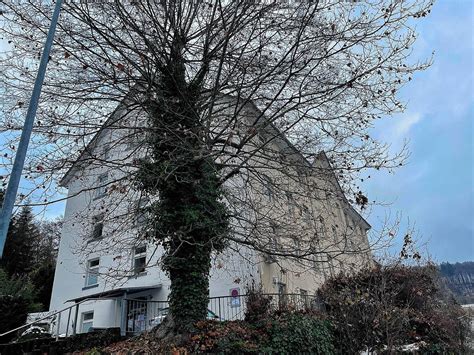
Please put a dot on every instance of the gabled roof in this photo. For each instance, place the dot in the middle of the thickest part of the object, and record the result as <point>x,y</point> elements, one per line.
<point>85,154</point>
<point>321,156</point>
<point>275,132</point>
<point>351,210</point>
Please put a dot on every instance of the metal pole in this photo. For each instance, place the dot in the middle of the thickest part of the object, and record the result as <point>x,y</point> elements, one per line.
<point>57,328</point>
<point>124,316</point>
<point>12,188</point>
<point>74,329</point>
<point>68,319</point>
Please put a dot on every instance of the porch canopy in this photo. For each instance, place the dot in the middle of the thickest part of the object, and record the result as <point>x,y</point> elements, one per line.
<point>115,293</point>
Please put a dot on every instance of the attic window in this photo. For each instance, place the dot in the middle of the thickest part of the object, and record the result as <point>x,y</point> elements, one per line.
<point>268,187</point>
<point>105,154</point>
<point>101,188</point>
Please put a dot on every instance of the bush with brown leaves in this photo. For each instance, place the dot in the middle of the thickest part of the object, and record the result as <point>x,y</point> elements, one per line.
<point>390,306</point>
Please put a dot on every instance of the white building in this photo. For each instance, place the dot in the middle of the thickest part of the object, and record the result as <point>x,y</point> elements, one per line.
<point>102,256</point>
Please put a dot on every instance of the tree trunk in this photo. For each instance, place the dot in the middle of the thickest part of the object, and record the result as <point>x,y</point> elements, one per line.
<point>190,219</point>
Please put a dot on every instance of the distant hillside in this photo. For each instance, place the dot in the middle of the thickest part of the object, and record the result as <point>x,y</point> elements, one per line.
<point>459,278</point>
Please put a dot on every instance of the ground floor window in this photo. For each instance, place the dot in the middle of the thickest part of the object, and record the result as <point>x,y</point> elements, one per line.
<point>282,295</point>
<point>304,298</point>
<point>87,321</point>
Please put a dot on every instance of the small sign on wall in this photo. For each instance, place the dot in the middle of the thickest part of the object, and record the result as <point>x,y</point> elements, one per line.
<point>235,297</point>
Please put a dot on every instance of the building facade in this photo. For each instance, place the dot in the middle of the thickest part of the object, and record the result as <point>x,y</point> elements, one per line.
<point>108,265</point>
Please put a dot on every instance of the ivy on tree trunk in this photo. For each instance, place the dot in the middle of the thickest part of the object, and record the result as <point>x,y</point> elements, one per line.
<point>189,219</point>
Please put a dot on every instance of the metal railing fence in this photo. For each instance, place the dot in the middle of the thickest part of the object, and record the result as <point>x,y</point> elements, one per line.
<point>143,315</point>
<point>55,318</point>
<point>136,315</point>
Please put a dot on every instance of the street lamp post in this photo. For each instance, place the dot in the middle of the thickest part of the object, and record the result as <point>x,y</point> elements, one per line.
<point>14,181</point>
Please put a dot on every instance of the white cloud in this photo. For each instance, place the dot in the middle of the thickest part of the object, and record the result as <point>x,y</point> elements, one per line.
<point>404,124</point>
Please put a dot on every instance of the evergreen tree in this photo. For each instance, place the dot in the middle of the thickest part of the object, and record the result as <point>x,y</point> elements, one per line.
<point>42,278</point>
<point>17,298</point>
<point>45,251</point>
<point>19,255</point>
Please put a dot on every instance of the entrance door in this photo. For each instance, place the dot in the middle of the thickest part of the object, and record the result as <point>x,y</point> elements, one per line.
<point>136,315</point>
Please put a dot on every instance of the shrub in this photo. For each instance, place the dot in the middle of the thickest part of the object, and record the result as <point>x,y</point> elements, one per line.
<point>13,313</point>
<point>295,333</point>
<point>387,307</point>
<point>284,333</point>
<point>96,339</point>
<point>258,305</point>
<point>16,300</point>
<point>224,337</point>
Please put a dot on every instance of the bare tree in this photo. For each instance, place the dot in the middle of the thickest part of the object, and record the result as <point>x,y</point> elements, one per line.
<point>222,111</point>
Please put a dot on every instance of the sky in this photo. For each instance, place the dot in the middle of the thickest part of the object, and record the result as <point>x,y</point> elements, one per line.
<point>434,191</point>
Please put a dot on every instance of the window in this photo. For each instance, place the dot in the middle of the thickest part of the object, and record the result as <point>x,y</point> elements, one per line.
<point>275,236</point>
<point>92,274</point>
<point>133,140</point>
<point>139,259</point>
<point>87,322</point>
<point>268,187</point>
<point>101,188</point>
<point>318,262</point>
<point>142,217</point>
<point>297,244</point>
<point>97,226</point>
<point>304,298</point>
<point>306,214</point>
<point>105,152</point>
<point>291,203</point>
<point>349,223</point>
<point>331,266</point>
<point>334,234</point>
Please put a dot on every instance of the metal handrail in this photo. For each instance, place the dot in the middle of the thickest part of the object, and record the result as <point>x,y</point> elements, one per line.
<point>309,297</point>
<point>53,314</point>
<point>267,294</point>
